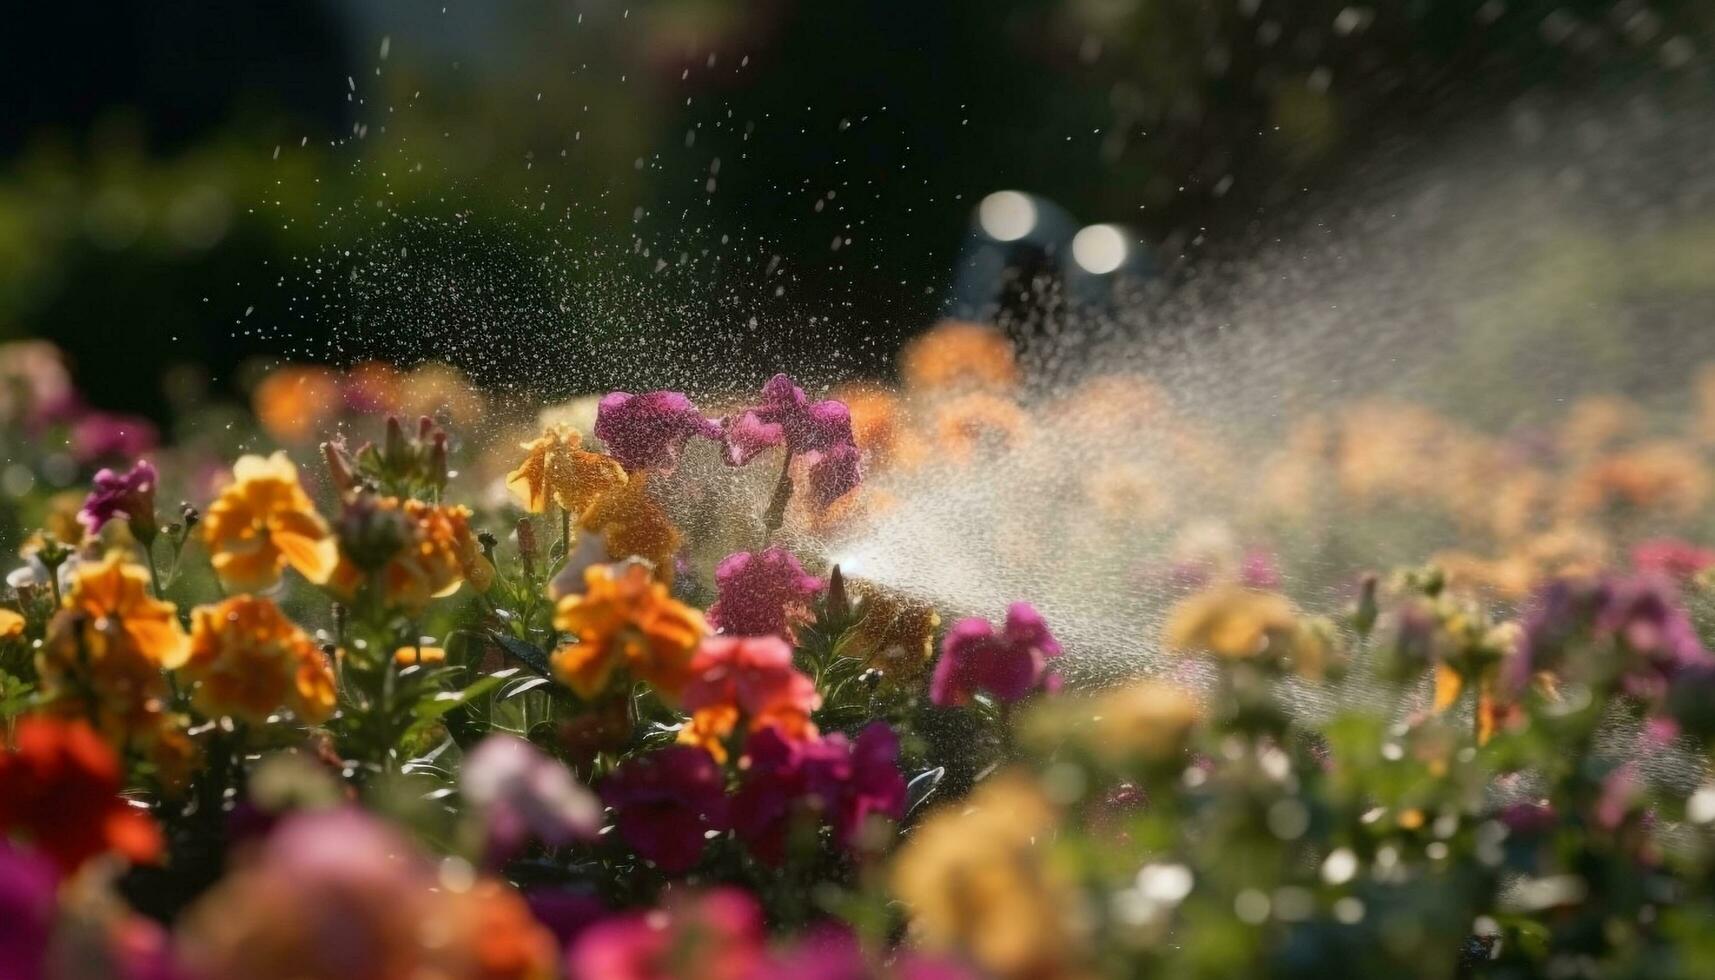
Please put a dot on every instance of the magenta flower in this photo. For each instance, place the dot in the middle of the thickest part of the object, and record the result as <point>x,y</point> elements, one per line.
<point>762,593</point>
<point>130,496</point>
<point>29,888</point>
<point>720,932</point>
<point>525,794</point>
<point>834,472</point>
<point>840,783</point>
<point>647,431</point>
<point>104,435</point>
<point>1007,665</point>
<point>787,417</point>
<point>1673,557</point>
<point>665,801</point>
<point>1641,614</point>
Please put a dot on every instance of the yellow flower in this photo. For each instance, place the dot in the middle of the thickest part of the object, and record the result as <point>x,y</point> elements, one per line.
<point>1145,720</point>
<point>894,634</point>
<point>978,882</point>
<point>106,649</point>
<point>440,554</point>
<point>633,525</point>
<point>1229,621</point>
<point>556,469</point>
<point>624,619</point>
<point>263,522</point>
<point>248,660</point>
<point>11,624</point>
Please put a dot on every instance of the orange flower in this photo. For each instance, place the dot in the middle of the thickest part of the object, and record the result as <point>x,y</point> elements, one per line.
<point>293,402</point>
<point>749,677</point>
<point>894,634</point>
<point>1664,476</point>
<point>625,620</point>
<point>556,469</point>
<point>956,354</point>
<point>105,651</point>
<point>632,524</point>
<point>59,788</point>
<point>248,660</point>
<point>979,422</point>
<point>879,425</point>
<point>263,522</point>
<point>11,624</point>
<point>1230,621</point>
<point>427,656</point>
<point>496,937</point>
<point>439,555</point>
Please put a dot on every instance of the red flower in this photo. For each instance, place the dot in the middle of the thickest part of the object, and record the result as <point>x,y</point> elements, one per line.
<point>664,802</point>
<point>59,789</point>
<point>749,678</point>
<point>842,783</point>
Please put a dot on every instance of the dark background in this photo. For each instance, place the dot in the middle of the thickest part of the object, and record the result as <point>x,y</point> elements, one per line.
<point>186,187</point>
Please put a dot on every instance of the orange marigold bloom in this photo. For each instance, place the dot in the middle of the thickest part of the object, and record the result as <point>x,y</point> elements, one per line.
<point>59,788</point>
<point>625,620</point>
<point>558,470</point>
<point>440,554</point>
<point>105,651</point>
<point>957,354</point>
<point>248,660</point>
<point>632,524</point>
<point>295,401</point>
<point>263,522</point>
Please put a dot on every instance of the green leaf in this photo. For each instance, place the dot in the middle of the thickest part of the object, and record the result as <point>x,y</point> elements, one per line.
<point>532,656</point>
<point>431,708</point>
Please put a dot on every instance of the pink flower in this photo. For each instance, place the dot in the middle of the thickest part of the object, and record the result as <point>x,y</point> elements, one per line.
<point>1007,665</point>
<point>104,435</point>
<point>525,794</point>
<point>28,903</point>
<point>834,472</point>
<point>1673,557</point>
<point>128,495</point>
<point>839,783</point>
<point>647,431</point>
<point>787,417</point>
<point>716,936</point>
<point>665,801</point>
<point>762,593</point>
<point>754,676</point>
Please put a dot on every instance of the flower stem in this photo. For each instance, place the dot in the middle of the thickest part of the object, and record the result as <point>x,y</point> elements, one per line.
<point>154,573</point>
<point>565,532</point>
<point>776,514</point>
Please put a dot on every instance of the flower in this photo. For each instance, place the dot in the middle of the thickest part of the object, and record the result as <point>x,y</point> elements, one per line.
<point>1641,615</point>
<point>1674,557</point>
<point>248,660</point>
<point>633,525</point>
<point>787,417</point>
<point>525,794</point>
<point>11,624</point>
<point>105,435</point>
<point>1228,621</point>
<point>664,801</point>
<point>625,620</point>
<point>28,906</point>
<point>762,593</point>
<point>128,495</point>
<point>958,354</point>
<point>831,780</point>
<point>748,678</point>
<point>833,473</point>
<point>556,469</point>
<point>978,882</point>
<point>263,522</point>
<point>294,401</point>
<point>1144,720</point>
<point>647,431</point>
<point>894,633</point>
<point>979,423</point>
<point>714,936</point>
<point>419,655</point>
<point>59,790</point>
<point>437,554</point>
<point>336,893</point>
<point>105,651</point>
<point>1007,665</point>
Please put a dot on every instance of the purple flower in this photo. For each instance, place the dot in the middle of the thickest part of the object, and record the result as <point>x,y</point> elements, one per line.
<point>104,435</point>
<point>128,495</point>
<point>834,472</point>
<point>665,801</point>
<point>525,794</point>
<point>647,431</point>
<point>787,417</point>
<point>1641,613</point>
<point>1007,665</point>
<point>28,902</point>
<point>843,782</point>
<point>1258,570</point>
<point>762,593</point>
